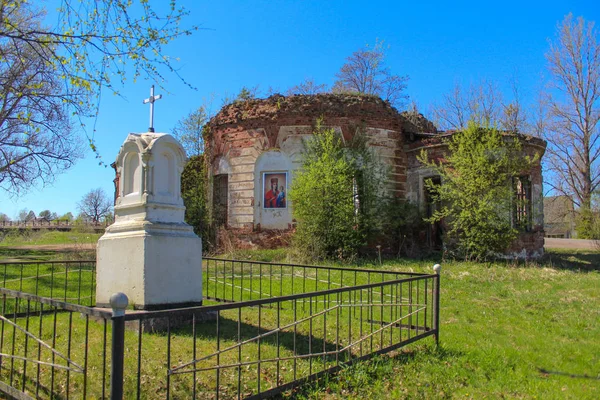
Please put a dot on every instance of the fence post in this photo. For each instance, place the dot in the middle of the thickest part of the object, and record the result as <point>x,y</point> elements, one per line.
<point>118,302</point>
<point>437,268</point>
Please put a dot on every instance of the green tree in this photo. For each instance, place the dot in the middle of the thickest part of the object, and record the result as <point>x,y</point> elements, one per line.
<point>334,195</point>
<point>476,194</point>
<point>47,214</point>
<point>53,76</point>
<point>30,216</point>
<point>68,217</point>
<point>194,189</point>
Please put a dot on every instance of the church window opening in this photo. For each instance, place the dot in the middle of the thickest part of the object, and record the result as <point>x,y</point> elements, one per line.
<point>220,198</point>
<point>522,203</point>
<point>432,204</point>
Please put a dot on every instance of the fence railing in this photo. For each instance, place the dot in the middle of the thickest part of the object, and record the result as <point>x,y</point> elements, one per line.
<point>270,327</point>
<point>54,224</point>
<point>52,349</point>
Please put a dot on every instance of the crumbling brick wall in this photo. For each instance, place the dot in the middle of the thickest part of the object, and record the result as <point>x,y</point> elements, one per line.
<point>242,131</point>
<point>528,244</point>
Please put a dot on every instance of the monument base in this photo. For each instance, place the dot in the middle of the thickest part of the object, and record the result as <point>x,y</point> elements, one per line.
<point>157,265</point>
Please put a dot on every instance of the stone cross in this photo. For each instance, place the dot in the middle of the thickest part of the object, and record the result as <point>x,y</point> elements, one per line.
<point>151,100</point>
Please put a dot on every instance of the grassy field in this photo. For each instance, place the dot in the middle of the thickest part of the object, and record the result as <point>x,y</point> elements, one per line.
<point>525,331</point>
<point>507,331</point>
<point>46,245</point>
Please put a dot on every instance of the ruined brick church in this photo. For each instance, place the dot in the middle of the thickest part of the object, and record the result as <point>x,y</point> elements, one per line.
<point>255,146</point>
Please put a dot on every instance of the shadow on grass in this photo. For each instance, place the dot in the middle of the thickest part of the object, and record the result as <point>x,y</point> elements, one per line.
<point>569,375</point>
<point>229,330</point>
<point>359,377</point>
<point>573,260</point>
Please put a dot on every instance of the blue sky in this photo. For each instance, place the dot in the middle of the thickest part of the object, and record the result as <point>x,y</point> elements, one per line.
<point>277,44</point>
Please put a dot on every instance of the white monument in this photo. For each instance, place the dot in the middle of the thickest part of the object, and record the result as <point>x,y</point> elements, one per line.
<point>150,253</point>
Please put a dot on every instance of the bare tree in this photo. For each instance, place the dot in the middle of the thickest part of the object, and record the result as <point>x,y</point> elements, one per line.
<point>51,78</point>
<point>574,105</point>
<point>23,215</point>
<point>36,136</point>
<point>95,205</point>
<point>365,72</point>
<point>514,118</point>
<point>307,87</point>
<point>481,103</point>
<point>189,129</point>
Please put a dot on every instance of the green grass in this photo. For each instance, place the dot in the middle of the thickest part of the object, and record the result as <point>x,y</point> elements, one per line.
<point>528,330</point>
<point>47,237</point>
<point>506,332</point>
<point>43,245</point>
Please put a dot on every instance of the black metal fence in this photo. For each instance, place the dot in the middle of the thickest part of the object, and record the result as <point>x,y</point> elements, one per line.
<point>265,328</point>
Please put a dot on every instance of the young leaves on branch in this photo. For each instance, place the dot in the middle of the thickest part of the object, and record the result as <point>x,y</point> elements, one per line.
<point>53,76</point>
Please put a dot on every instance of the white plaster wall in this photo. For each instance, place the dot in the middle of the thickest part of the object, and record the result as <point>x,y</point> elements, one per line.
<point>242,179</point>
<point>273,161</point>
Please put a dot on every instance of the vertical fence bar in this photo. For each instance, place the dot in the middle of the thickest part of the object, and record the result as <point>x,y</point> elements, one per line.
<point>218,369</point>
<point>193,355</point>
<point>118,302</point>
<point>437,268</point>
<point>239,341</point>
<point>103,360</point>
<point>39,354</point>
<point>69,351</point>
<point>169,353</point>
<point>139,358</point>
<point>24,376</point>
<point>85,355</point>
<point>93,286</point>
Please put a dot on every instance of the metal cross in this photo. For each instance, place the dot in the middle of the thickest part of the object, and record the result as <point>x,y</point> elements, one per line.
<point>151,100</point>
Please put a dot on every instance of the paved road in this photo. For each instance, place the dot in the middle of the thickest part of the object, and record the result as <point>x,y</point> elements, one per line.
<point>576,244</point>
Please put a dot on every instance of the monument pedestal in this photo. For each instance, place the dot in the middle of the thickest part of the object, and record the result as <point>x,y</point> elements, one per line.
<point>150,253</point>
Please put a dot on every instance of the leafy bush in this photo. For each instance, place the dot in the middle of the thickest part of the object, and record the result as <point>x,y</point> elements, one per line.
<point>476,194</point>
<point>336,195</point>
<point>194,191</point>
<point>402,222</point>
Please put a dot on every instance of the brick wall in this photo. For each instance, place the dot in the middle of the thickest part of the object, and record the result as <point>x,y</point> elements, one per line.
<point>242,131</point>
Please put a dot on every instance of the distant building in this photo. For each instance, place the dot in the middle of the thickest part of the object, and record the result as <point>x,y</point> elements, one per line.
<point>559,217</point>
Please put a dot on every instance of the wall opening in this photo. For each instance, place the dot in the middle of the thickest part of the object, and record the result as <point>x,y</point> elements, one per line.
<point>220,199</point>
<point>522,215</point>
<point>131,181</point>
<point>435,231</point>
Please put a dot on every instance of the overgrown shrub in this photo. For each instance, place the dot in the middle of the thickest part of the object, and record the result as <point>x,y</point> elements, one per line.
<point>194,191</point>
<point>476,194</point>
<point>402,221</point>
<point>336,195</point>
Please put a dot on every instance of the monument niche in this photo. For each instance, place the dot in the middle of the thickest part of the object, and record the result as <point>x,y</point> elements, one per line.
<point>150,253</point>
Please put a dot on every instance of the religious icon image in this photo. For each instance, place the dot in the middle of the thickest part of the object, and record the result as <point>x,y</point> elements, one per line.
<point>274,189</point>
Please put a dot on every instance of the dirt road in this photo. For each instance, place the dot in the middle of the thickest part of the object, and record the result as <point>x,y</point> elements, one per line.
<point>55,247</point>
<point>575,244</point>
